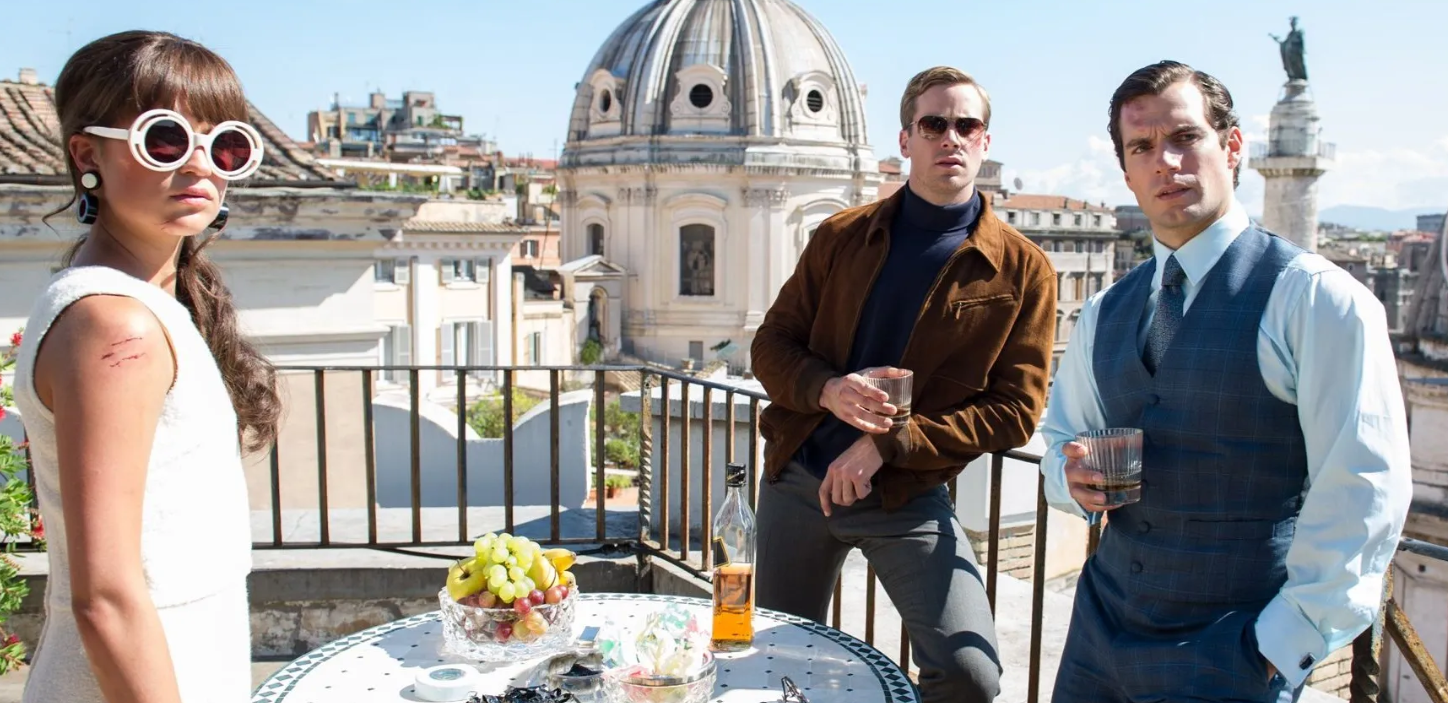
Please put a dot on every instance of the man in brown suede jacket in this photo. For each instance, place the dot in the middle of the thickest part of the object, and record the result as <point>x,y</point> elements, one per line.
<point>932,281</point>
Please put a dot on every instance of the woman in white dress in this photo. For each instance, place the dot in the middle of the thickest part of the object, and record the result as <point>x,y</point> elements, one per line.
<point>137,390</point>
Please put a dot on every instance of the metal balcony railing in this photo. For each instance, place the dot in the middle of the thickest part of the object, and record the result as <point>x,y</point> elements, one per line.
<point>650,535</point>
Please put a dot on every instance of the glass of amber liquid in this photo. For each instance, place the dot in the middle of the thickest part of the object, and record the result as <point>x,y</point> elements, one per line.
<point>1116,453</point>
<point>734,536</point>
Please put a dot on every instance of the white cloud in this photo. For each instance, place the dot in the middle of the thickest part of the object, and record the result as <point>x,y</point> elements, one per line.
<point>1093,176</point>
<point>1388,178</point>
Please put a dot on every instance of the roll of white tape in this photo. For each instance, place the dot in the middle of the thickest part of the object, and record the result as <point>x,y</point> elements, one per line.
<point>447,682</point>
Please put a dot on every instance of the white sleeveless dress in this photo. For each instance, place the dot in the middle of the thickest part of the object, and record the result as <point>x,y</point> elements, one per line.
<point>195,534</point>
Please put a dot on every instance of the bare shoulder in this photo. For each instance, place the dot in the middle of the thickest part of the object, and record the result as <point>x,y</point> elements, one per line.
<point>105,337</point>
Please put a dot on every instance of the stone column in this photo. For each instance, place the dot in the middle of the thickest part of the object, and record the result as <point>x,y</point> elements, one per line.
<point>1291,161</point>
<point>765,251</point>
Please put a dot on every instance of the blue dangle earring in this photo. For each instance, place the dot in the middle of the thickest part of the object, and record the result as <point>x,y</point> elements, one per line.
<point>87,205</point>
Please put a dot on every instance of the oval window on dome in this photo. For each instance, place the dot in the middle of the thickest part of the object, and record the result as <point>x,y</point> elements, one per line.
<point>701,96</point>
<point>605,102</point>
<point>815,101</point>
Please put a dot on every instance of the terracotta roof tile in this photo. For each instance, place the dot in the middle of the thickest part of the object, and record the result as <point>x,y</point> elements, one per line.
<point>441,227</point>
<point>30,147</point>
<point>1027,201</point>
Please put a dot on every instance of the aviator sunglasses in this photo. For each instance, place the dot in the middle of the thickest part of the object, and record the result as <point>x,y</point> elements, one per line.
<point>163,140</point>
<point>933,127</point>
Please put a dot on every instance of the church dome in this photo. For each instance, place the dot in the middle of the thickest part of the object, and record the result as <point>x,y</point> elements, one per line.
<point>750,72</point>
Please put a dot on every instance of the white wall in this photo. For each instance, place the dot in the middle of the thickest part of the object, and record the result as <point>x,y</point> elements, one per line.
<point>531,456</point>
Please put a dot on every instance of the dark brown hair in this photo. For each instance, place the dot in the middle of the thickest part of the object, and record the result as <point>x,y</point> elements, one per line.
<point>1154,80</point>
<point>117,77</point>
<point>929,78</point>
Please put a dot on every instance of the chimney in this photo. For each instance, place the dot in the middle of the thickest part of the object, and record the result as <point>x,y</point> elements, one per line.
<point>28,77</point>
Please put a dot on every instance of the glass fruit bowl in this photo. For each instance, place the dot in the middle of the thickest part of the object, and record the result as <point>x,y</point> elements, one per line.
<point>627,685</point>
<point>505,633</point>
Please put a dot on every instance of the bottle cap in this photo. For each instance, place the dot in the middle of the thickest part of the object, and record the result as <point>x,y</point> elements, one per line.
<point>735,475</point>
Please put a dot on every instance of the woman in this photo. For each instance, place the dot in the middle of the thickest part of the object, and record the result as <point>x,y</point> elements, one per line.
<point>138,392</point>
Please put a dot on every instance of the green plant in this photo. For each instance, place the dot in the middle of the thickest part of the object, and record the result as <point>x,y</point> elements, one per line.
<point>591,353</point>
<point>17,520</point>
<point>486,416</point>
<point>618,481</point>
<point>623,453</point>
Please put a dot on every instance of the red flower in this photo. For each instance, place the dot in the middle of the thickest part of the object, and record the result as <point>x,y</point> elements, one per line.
<point>2,412</point>
<point>15,339</point>
<point>38,532</point>
<point>13,639</point>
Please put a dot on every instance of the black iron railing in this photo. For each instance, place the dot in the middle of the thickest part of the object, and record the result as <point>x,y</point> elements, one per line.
<point>651,534</point>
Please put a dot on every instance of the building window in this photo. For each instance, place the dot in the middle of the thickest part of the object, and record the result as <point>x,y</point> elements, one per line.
<point>595,240</point>
<point>1069,247</point>
<point>1011,216</point>
<point>1077,282</point>
<point>465,270</point>
<point>467,343</point>
<point>1061,291</point>
<point>1097,280</point>
<point>394,271</point>
<point>701,96</point>
<point>535,348</point>
<point>1035,218</point>
<point>1098,220</point>
<point>696,260</point>
<point>1078,219</point>
<point>530,248</point>
<point>696,351</point>
<point>397,351</point>
<point>1056,218</point>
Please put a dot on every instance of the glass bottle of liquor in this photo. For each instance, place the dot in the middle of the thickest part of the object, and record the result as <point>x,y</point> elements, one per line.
<point>734,535</point>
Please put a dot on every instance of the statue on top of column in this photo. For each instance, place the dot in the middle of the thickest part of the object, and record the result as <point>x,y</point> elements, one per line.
<point>1293,51</point>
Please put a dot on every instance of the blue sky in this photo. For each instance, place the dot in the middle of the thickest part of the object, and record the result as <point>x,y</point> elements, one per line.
<point>509,68</point>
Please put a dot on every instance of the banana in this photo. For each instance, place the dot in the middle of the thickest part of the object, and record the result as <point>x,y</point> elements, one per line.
<point>562,559</point>
<point>567,578</point>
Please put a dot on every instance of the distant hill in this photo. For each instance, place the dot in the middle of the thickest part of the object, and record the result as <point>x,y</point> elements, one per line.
<point>1375,218</point>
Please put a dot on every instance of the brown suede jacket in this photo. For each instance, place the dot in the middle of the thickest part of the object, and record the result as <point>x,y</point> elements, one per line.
<point>980,349</point>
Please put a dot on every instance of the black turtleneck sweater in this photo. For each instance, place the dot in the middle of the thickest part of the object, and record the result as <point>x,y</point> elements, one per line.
<point>922,238</point>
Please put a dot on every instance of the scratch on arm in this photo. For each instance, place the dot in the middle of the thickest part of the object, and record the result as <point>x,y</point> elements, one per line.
<point>108,356</point>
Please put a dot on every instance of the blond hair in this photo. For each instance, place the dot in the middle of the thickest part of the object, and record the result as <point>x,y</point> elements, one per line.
<point>929,78</point>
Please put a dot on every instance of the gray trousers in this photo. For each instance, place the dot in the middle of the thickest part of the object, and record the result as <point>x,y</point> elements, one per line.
<point>920,554</point>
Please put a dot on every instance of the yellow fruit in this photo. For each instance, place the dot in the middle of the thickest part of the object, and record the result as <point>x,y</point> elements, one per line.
<point>543,574</point>
<point>464,579</point>
<point>562,559</point>
<point>568,579</point>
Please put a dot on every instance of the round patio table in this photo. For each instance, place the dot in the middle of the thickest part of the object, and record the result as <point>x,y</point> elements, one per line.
<point>381,663</point>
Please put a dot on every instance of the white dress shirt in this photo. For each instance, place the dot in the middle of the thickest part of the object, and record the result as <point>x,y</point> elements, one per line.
<point>1323,346</point>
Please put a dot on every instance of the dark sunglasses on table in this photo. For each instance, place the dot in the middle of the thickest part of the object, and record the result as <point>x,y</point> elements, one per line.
<point>162,140</point>
<point>934,126</point>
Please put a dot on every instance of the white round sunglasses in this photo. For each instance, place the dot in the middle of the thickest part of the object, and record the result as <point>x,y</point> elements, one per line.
<point>162,140</point>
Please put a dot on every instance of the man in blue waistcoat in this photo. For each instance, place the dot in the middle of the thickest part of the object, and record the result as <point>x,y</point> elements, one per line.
<point>1275,467</point>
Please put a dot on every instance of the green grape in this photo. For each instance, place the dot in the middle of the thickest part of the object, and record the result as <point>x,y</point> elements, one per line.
<point>528,585</point>
<point>497,572</point>
<point>515,574</point>
<point>519,590</point>
<point>506,592</point>
<point>525,559</point>
<point>494,584</point>
<point>499,555</point>
<point>512,561</point>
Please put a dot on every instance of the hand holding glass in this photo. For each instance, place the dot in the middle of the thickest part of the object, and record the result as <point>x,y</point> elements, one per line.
<point>897,383</point>
<point>1115,453</point>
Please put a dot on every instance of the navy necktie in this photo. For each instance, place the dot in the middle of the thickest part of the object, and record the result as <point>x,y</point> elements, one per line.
<point>1169,305</point>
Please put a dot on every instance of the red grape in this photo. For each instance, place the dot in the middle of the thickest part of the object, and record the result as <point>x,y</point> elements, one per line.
<point>505,630</point>
<point>555,595</point>
<point>537,597</point>
<point>522,605</point>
